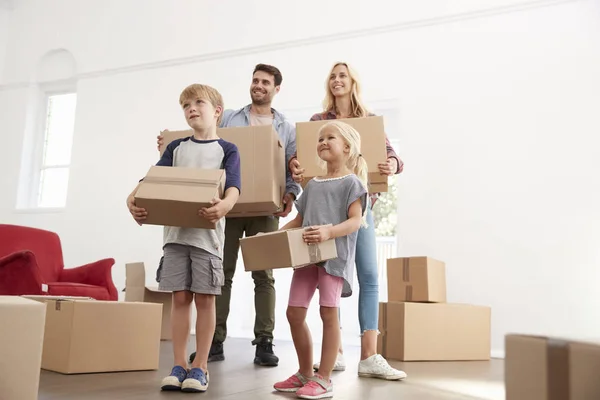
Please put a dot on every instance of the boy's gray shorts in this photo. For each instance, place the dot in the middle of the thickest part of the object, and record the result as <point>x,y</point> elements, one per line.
<point>191,268</point>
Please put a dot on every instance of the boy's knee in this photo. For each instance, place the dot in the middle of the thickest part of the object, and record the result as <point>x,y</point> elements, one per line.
<point>182,298</point>
<point>204,300</point>
<point>295,315</point>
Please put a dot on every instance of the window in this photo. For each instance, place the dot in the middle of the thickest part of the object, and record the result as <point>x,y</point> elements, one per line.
<point>51,183</point>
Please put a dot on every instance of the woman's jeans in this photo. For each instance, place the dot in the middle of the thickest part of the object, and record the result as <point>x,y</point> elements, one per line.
<point>368,276</point>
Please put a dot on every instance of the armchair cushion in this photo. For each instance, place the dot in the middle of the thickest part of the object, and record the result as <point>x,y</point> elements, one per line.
<point>93,274</point>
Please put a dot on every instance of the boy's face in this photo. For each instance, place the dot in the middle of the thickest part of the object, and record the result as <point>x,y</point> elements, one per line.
<point>200,114</point>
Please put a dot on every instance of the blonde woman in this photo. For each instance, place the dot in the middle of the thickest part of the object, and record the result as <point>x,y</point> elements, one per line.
<point>343,100</point>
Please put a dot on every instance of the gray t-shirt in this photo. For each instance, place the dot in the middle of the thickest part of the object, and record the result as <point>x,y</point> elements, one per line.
<point>326,201</point>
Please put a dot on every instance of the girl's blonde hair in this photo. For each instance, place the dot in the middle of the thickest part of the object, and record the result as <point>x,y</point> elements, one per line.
<point>357,107</point>
<point>356,162</point>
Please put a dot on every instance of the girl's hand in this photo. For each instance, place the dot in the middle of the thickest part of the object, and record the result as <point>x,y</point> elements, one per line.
<point>388,168</point>
<point>317,234</point>
<point>296,171</point>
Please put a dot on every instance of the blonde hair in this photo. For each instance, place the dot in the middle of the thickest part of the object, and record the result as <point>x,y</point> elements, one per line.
<point>204,92</point>
<point>357,107</point>
<point>356,162</point>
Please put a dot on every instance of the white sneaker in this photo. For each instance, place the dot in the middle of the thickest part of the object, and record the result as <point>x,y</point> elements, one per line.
<point>377,367</point>
<point>340,363</point>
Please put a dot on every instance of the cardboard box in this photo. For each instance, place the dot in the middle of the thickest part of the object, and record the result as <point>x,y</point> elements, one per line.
<point>172,196</point>
<point>137,291</point>
<point>83,336</point>
<point>418,279</point>
<point>373,149</point>
<point>21,339</point>
<point>434,332</point>
<point>262,160</point>
<point>283,249</point>
<point>543,368</point>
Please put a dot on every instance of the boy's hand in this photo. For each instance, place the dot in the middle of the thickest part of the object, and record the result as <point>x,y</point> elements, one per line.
<point>389,167</point>
<point>288,201</point>
<point>317,234</point>
<point>217,211</point>
<point>139,214</point>
<point>296,171</point>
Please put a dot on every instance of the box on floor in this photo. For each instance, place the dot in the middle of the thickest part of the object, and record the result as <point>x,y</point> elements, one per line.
<point>172,196</point>
<point>545,368</point>
<point>283,249</point>
<point>262,159</point>
<point>434,331</point>
<point>373,148</point>
<point>85,336</point>
<point>21,339</point>
<point>416,279</point>
<point>137,291</point>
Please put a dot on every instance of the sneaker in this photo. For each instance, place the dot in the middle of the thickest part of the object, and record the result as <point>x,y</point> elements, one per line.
<point>196,381</point>
<point>264,355</point>
<point>340,364</point>
<point>291,384</point>
<point>316,388</point>
<point>214,354</point>
<point>377,367</point>
<point>174,381</point>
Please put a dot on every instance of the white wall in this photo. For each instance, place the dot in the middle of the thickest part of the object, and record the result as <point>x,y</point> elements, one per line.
<point>496,110</point>
<point>4,28</point>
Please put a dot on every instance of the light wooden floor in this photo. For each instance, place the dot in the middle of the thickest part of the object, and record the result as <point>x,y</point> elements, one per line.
<point>238,378</point>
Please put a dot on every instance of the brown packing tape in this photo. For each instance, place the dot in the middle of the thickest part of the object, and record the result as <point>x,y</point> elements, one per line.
<point>383,332</point>
<point>406,270</point>
<point>409,293</point>
<point>314,253</point>
<point>558,370</point>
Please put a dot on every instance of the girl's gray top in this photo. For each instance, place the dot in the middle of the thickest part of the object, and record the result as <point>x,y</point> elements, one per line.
<point>326,201</point>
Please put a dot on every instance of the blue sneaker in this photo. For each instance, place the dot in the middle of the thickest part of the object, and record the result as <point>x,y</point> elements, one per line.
<point>175,380</point>
<point>196,381</point>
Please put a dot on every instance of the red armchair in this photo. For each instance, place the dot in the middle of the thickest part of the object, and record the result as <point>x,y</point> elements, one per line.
<point>31,262</point>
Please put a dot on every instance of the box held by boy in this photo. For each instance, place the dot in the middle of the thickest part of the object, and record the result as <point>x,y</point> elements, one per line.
<point>136,290</point>
<point>284,249</point>
<point>262,165</point>
<point>172,196</point>
<point>417,279</point>
<point>434,332</point>
<point>373,148</point>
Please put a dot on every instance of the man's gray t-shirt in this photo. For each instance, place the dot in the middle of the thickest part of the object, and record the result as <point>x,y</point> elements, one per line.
<point>326,201</point>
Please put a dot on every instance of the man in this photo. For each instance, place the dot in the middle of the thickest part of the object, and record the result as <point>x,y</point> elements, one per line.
<point>266,83</point>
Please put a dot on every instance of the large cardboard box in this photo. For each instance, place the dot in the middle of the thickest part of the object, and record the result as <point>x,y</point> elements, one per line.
<point>434,332</point>
<point>21,339</point>
<point>544,368</point>
<point>262,167</point>
<point>283,249</point>
<point>172,196</point>
<point>137,291</point>
<point>418,279</point>
<point>373,149</point>
<point>83,336</point>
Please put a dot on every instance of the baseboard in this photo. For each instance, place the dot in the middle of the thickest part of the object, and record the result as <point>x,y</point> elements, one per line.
<point>497,353</point>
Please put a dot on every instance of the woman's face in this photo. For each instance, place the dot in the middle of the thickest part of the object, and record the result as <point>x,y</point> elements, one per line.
<point>340,82</point>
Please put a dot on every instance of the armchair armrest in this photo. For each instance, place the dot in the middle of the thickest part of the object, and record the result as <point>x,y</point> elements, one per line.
<point>97,273</point>
<point>19,274</point>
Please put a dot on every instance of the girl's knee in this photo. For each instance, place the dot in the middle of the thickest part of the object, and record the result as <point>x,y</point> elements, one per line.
<point>329,314</point>
<point>296,315</point>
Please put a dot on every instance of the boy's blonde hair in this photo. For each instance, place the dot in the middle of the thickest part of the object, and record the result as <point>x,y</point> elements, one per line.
<point>356,161</point>
<point>357,107</point>
<point>204,92</point>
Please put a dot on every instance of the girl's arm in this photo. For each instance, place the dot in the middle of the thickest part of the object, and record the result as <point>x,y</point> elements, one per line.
<point>323,233</point>
<point>295,223</point>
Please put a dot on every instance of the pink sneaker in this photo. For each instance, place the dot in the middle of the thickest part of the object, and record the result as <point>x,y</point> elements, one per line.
<point>291,384</point>
<point>316,388</point>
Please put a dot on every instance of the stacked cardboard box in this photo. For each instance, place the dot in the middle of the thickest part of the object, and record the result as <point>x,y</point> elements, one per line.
<point>417,324</point>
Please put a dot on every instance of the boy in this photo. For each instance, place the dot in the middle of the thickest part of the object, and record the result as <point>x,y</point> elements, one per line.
<point>193,267</point>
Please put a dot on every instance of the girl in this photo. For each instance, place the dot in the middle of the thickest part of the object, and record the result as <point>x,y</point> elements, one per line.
<point>343,100</point>
<point>339,198</point>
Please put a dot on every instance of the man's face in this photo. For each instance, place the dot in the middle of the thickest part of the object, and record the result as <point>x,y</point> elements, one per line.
<point>263,89</point>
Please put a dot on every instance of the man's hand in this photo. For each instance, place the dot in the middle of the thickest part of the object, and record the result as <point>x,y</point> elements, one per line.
<point>218,210</point>
<point>288,201</point>
<point>160,140</point>
<point>139,214</point>
<point>317,234</point>
<point>388,168</point>
<point>296,171</point>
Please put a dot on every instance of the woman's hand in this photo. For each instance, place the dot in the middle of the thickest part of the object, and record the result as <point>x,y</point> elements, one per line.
<point>390,167</point>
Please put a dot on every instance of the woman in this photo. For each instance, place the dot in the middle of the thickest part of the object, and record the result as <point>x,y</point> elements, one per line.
<point>343,101</point>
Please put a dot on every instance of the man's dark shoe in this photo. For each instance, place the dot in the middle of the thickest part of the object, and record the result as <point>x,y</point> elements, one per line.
<point>214,354</point>
<point>264,353</point>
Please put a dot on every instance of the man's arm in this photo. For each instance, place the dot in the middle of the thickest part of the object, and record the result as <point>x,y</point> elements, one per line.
<point>290,151</point>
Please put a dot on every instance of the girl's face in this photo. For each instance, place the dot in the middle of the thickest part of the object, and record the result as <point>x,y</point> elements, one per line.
<point>331,145</point>
<point>340,82</point>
